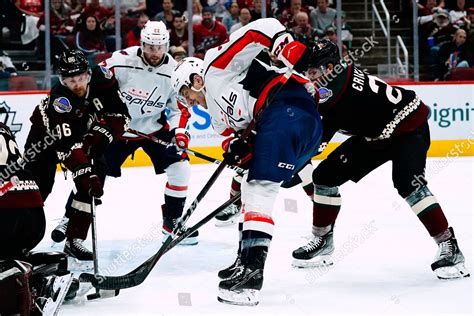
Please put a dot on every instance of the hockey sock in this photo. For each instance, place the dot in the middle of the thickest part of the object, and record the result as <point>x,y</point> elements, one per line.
<point>257,230</point>
<point>174,206</point>
<point>326,207</point>
<point>429,212</point>
<point>306,176</point>
<point>80,218</point>
<point>235,188</point>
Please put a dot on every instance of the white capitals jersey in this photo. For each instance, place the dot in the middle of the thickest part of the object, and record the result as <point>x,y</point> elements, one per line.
<point>229,103</point>
<point>147,91</point>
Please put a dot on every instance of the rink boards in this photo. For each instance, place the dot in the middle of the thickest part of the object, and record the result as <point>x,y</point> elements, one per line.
<point>451,121</point>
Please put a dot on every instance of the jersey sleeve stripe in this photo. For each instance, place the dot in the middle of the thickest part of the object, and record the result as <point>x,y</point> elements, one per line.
<point>184,116</point>
<point>249,37</point>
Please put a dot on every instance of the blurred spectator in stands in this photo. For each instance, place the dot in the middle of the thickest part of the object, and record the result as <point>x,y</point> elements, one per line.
<point>76,6</point>
<point>180,5</point>
<point>167,15</point>
<point>435,33</point>
<point>133,36</point>
<point>178,53</point>
<point>89,37</point>
<point>245,3</point>
<point>209,33</point>
<point>7,69</point>
<point>458,16</point>
<point>346,30</point>
<point>132,8</point>
<point>303,31</point>
<point>108,29</point>
<point>287,18</point>
<point>30,7</point>
<point>61,27</point>
<point>331,34</point>
<point>244,19</point>
<point>196,18</point>
<point>425,7</point>
<point>96,9</point>
<point>452,55</point>
<point>322,16</point>
<point>470,19</point>
<point>231,18</point>
<point>256,11</point>
<point>179,33</point>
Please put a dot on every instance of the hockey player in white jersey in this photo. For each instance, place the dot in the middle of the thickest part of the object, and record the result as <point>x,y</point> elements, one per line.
<point>143,74</point>
<point>233,85</point>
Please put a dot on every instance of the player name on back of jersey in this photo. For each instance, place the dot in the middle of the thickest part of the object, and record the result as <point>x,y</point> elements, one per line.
<point>358,80</point>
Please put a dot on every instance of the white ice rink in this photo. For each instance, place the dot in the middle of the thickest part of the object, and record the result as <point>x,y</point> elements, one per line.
<point>383,251</point>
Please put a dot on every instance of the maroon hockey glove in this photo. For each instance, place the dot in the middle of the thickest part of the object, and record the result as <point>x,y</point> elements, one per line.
<point>87,182</point>
<point>97,139</point>
<point>238,151</point>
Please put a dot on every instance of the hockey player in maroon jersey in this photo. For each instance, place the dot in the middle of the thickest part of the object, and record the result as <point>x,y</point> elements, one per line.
<point>82,115</point>
<point>385,123</point>
<point>22,226</point>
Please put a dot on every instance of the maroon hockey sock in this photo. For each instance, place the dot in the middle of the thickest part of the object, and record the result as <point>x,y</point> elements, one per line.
<point>434,220</point>
<point>78,225</point>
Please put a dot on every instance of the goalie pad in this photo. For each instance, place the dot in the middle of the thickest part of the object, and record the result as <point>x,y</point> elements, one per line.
<point>15,291</point>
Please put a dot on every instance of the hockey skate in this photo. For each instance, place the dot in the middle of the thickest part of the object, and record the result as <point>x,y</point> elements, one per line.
<point>52,294</point>
<point>168,226</point>
<point>243,287</point>
<point>59,232</point>
<point>226,273</point>
<point>229,216</point>
<point>449,261</point>
<point>79,257</point>
<point>317,252</point>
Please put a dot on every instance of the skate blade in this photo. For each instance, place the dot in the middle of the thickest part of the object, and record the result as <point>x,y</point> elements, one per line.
<point>247,297</point>
<point>190,241</point>
<point>319,261</point>
<point>229,222</point>
<point>453,272</point>
<point>61,285</point>
<point>79,265</point>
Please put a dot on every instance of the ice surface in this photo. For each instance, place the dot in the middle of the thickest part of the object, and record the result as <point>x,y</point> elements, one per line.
<point>383,251</point>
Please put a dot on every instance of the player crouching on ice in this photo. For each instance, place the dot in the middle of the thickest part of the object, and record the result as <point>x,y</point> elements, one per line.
<point>385,123</point>
<point>30,283</point>
<point>234,86</point>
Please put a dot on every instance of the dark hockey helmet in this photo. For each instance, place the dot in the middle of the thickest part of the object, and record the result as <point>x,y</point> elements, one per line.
<point>72,63</point>
<point>324,52</point>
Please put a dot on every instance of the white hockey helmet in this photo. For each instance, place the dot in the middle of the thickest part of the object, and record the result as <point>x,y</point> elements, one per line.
<point>155,33</point>
<point>184,71</point>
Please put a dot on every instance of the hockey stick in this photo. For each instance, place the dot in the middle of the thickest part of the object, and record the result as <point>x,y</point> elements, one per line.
<point>10,184</point>
<point>139,275</point>
<point>94,249</point>
<point>188,150</point>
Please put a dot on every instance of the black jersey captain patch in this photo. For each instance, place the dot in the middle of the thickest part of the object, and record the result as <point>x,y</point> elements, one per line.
<point>62,105</point>
<point>324,94</point>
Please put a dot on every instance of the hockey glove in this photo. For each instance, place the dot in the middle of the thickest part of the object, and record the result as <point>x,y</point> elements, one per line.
<point>87,182</point>
<point>238,151</point>
<point>97,139</point>
<point>295,55</point>
<point>279,41</point>
<point>181,138</point>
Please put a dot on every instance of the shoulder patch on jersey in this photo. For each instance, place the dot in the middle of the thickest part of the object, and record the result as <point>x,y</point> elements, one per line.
<point>324,94</point>
<point>107,73</point>
<point>62,105</point>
